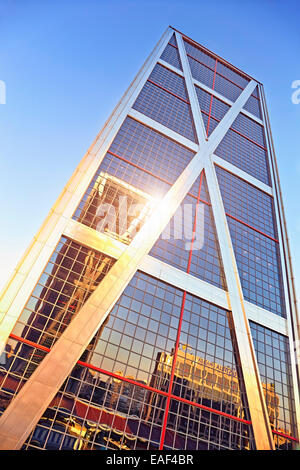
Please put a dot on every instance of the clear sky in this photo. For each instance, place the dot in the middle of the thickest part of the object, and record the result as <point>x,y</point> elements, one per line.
<point>67,63</point>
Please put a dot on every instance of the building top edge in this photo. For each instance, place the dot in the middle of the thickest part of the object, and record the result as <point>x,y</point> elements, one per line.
<point>221,59</point>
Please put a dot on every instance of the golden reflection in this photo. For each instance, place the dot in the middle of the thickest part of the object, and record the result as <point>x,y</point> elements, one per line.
<point>116,208</point>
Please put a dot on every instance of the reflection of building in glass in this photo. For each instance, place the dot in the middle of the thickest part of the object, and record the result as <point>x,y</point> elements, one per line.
<point>114,207</point>
<point>149,342</point>
<point>70,277</point>
<point>211,384</point>
<point>197,379</point>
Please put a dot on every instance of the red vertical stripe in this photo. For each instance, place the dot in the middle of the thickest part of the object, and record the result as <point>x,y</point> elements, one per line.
<point>163,432</point>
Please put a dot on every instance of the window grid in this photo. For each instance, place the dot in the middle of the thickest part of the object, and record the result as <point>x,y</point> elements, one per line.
<point>227,88</point>
<point>142,152</point>
<point>50,436</point>
<point>253,104</point>
<point>173,41</point>
<point>205,74</point>
<point>223,70</point>
<point>244,154</point>
<point>200,55</point>
<point>169,80</point>
<point>124,408</point>
<point>226,81</point>
<point>202,66</point>
<point>249,129</point>
<point>273,357</point>
<point>231,75</point>
<point>258,261</point>
<point>247,203</point>
<point>113,207</point>
<point>69,278</point>
<point>116,166</point>
<point>213,109</point>
<point>151,150</point>
<point>204,261</point>
<point>200,72</point>
<point>166,109</point>
<point>171,55</point>
<point>119,167</point>
<point>209,123</point>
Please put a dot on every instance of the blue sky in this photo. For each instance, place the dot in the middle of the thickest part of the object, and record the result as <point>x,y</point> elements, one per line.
<point>67,63</point>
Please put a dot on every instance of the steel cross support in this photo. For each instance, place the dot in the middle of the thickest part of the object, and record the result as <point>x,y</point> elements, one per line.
<point>25,410</point>
<point>257,407</point>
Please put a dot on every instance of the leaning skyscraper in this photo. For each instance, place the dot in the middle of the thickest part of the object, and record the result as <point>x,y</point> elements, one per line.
<point>155,308</point>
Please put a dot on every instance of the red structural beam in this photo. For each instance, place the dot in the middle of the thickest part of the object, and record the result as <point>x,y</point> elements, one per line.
<point>151,174</point>
<point>232,129</point>
<point>172,375</point>
<point>287,436</point>
<point>133,382</point>
<point>207,66</point>
<point>253,228</point>
<point>152,389</point>
<point>189,194</point>
<point>168,91</point>
<point>207,51</point>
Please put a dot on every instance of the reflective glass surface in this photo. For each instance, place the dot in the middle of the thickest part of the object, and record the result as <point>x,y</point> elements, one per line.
<point>273,357</point>
<point>166,106</point>
<point>189,241</point>
<point>244,154</point>
<point>259,267</point>
<point>214,73</point>
<point>160,351</point>
<point>253,104</point>
<point>171,55</point>
<point>71,275</point>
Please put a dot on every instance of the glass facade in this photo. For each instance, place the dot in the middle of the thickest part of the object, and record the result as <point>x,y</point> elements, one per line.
<point>274,361</point>
<point>195,251</point>
<point>251,220</point>
<point>162,356</point>
<point>213,109</point>
<point>171,55</point>
<point>164,99</point>
<point>164,370</point>
<point>71,275</point>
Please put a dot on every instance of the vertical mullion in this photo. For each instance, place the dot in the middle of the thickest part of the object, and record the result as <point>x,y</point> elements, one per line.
<point>166,413</point>
<point>245,349</point>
